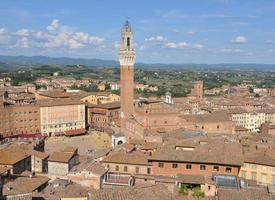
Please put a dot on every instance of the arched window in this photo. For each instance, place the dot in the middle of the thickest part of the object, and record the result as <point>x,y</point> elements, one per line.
<point>128,42</point>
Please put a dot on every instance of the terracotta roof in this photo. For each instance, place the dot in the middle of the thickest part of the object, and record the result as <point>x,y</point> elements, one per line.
<point>61,157</point>
<point>244,194</point>
<point>10,158</point>
<point>56,94</point>
<point>97,168</point>
<point>190,179</point>
<point>75,132</point>
<point>261,157</point>
<point>112,105</point>
<point>24,185</point>
<point>58,102</point>
<point>214,152</point>
<point>154,192</point>
<point>135,158</point>
<point>60,188</point>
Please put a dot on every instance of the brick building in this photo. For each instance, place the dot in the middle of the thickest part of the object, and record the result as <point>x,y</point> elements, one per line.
<point>19,119</point>
<point>197,90</point>
<point>103,116</point>
<point>198,158</point>
<point>61,115</point>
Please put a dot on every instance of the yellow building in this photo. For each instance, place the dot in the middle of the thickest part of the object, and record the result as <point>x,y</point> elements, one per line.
<point>259,165</point>
<point>100,98</point>
<point>101,87</point>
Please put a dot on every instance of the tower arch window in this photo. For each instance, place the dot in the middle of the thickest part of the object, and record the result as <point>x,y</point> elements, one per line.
<point>128,41</point>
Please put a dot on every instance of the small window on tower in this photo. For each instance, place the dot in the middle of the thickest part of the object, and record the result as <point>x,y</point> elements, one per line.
<point>128,42</point>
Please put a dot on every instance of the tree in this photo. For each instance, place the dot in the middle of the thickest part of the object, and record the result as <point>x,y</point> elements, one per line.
<point>183,189</point>
<point>197,192</point>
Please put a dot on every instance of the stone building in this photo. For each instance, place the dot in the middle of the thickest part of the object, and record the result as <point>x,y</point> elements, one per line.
<point>17,161</point>
<point>60,163</point>
<point>89,175</point>
<point>61,115</point>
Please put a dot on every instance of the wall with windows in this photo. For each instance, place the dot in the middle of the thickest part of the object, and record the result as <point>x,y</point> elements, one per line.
<point>174,168</point>
<point>56,119</point>
<point>263,174</point>
<point>128,168</point>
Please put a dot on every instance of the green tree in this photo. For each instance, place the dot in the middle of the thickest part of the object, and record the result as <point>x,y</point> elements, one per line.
<point>197,192</point>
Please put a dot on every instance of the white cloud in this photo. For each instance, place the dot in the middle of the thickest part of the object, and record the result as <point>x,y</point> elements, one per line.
<point>54,25</point>
<point>198,46</point>
<point>23,32</point>
<point>180,45</point>
<point>55,36</point>
<point>156,39</point>
<point>4,36</point>
<point>239,40</point>
<point>229,50</point>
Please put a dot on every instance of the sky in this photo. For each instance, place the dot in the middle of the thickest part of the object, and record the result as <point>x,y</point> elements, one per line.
<point>165,31</point>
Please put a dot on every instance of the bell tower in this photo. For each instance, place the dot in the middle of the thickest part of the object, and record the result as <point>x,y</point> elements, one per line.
<point>127,57</point>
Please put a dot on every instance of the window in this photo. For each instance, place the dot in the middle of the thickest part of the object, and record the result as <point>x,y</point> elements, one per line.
<point>228,169</point>
<point>125,168</point>
<point>117,168</point>
<point>273,180</point>
<point>273,169</point>
<point>216,168</point>
<point>218,126</point>
<point>188,166</point>
<point>174,165</point>
<point>128,42</point>
<point>148,170</point>
<point>137,170</point>
<point>253,166</point>
<point>263,178</point>
<point>253,175</point>
<point>243,174</point>
<point>161,165</point>
<point>202,167</point>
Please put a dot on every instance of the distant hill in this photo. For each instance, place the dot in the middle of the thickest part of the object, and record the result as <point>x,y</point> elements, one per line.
<point>5,62</point>
<point>59,61</point>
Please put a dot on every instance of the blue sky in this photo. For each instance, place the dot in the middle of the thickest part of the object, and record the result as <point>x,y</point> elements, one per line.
<point>166,31</point>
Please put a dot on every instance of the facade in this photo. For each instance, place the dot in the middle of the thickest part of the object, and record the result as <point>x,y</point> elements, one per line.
<point>197,90</point>
<point>60,163</point>
<point>127,60</point>
<point>39,162</point>
<point>128,163</point>
<point>259,165</point>
<point>103,116</point>
<point>252,120</point>
<point>200,158</point>
<point>91,176</point>
<point>19,119</point>
<point>100,98</point>
<point>59,116</point>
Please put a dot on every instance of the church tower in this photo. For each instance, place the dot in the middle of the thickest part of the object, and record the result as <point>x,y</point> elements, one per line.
<point>127,60</point>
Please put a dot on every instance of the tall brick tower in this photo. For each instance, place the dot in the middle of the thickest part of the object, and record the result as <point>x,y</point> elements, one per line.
<point>127,60</point>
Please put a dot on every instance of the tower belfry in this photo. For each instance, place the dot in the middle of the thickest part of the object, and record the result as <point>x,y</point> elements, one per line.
<point>127,57</point>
